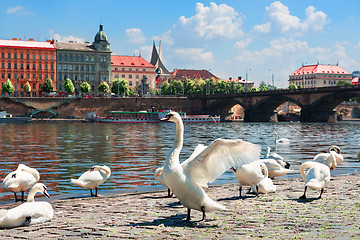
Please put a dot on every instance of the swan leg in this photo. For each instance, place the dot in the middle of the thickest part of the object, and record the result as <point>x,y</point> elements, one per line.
<point>96,195</point>
<point>91,192</point>
<point>27,221</point>
<point>304,195</point>
<point>16,199</point>
<point>188,215</point>
<point>257,190</point>
<point>240,189</point>
<point>249,190</point>
<point>170,194</point>
<point>322,190</point>
<point>22,196</point>
<point>204,215</point>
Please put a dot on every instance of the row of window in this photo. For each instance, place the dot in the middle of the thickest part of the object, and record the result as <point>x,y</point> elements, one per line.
<point>15,66</point>
<point>130,69</point>
<point>82,77</point>
<point>21,56</point>
<point>21,75</point>
<point>80,58</point>
<point>81,68</point>
<point>130,76</point>
<point>316,76</point>
<point>313,82</point>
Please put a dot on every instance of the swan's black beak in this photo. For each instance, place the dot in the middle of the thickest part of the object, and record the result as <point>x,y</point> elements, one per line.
<point>166,118</point>
<point>287,165</point>
<point>46,193</point>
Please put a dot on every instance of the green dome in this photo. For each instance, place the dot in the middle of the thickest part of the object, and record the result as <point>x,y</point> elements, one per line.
<point>100,36</point>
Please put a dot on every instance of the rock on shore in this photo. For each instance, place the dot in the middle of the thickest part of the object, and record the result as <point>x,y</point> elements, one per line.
<point>279,215</point>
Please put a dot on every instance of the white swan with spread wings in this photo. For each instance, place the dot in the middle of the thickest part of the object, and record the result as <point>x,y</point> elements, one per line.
<point>188,179</point>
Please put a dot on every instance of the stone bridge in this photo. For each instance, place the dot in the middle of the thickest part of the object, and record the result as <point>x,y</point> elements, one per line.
<point>316,104</point>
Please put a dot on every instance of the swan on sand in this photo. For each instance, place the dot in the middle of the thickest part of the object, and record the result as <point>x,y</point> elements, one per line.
<point>93,178</point>
<point>21,179</point>
<point>188,180</point>
<point>250,174</point>
<point>28,213</point>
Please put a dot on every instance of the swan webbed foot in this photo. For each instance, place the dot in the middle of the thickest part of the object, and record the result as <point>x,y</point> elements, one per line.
<point>27,221</point>
<point>257,191</point>
<point>94,195</point>
<point>204,215</point>
<point>188,218</point>
<point>303,197</point>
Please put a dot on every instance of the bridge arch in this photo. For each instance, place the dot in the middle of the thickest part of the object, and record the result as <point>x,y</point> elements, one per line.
<point>222,106</point>
<point>263,110</point>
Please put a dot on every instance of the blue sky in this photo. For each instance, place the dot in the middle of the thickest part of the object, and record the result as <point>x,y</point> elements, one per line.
<point>230,38</point>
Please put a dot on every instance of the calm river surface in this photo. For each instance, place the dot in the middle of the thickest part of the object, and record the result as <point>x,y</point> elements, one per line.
<point>61,151</point>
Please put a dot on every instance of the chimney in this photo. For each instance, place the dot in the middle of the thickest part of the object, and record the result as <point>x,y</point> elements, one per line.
<point>14,39</point>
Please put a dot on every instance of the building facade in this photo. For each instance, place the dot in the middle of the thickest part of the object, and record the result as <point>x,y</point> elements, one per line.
<point>137,71</point>
<point>319,75</point>
<point>181,74</point>
<point>84,62</point>
<point>27,61</point>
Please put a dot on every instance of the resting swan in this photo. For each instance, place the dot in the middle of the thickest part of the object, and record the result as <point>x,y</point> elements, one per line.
<point>159,171</point>
<point>28,213</point>
<point>93,178</point>
<point>276,157</point>
<point>327,158</point>
<point>20,180</point>
<point>275,169</point>
<point>187,180</point>
<point>250,174</point>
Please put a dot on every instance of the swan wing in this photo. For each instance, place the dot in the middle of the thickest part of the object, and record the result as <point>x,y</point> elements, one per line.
<point>218,157</point>
<point>199,148</point>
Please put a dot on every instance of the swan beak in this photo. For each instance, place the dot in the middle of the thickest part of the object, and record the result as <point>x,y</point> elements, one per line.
<point>232,168</point>
<point>46,194</point>
<point>166,118</point>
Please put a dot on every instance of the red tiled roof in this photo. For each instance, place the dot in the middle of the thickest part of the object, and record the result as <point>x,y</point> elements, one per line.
<point>191,73</point>
<point>129,61</point>
<point>26,44</point>
<point>320,69</point>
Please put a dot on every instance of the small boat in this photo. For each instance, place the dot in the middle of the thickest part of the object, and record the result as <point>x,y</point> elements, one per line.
<point>148,117</point>
<point>8,118</point>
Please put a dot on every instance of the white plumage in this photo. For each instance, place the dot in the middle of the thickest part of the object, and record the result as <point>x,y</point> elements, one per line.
<point>93,178</point>
<point>20,180</point>
<point>28,213</point>
<point>327,158</point>
<point>187,180</point>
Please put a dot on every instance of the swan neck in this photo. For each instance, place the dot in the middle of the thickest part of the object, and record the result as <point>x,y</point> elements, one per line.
<point>31,195</point>
<point>173,157</point>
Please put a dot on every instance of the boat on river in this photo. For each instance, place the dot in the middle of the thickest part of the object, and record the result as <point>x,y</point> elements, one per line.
<point>149,117</point>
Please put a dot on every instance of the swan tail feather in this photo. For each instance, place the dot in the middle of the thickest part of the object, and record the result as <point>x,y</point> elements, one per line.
<point>78,182</point>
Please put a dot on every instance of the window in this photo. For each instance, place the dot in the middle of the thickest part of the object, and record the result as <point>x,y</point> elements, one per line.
<point>9,65</point>
<point>33,56</point>
<point>34,77</point>
<point>22,66</point>
<point>123,75</point>
<point>39,66</point>
<point>45,66</point>
<point>15,65</point>
<point>137,76</point>
<point>71,57</point>
<point>27,66</point>
<point>2,65</point>
<point>92,78</point>
<point>15,55</point>
<point>86,58</point>
<point>52,57</point>
<point>9,75</point>
<point>123,69</point>
<point>87,68</point>
<point>65,67</point>
<point>9,55</point>
<point>2,75</point>
<point>21,85</point>
<point>27,56</point>
<point>40,76</point>
<point>2,55</point>
<point>52,76</point>
<point>34,66</point>
<point>21,75</point>
<point>15,75</point>
<point>70,67</point>
<point>65,57</point>
<point>39,56</point>
<point>130,76</point>
<point>93,68</point>
<point>34,86</point>
<point>137,70</point>
<point>52,67</point>
<point>130,69</point>
<point>82,77</point>
<point>45,56</point>
<point>27,76</point>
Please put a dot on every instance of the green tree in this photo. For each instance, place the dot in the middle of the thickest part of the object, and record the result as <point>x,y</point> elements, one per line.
<point>165,88</point>
<point>69,86</point>
<point>254,89</point>
<point>343,83</point>
<point>188,86</point>
<point>221,87</point>
<point>199,87</point>
<point>177,87</point>
<point>48,86</point>
<point>121,87</point>
<point>104,87</point>
<point>27,88</point>
<point>8,87</point>
<point>85,87</point>
<point>263,86</point>
<point>292,86</point>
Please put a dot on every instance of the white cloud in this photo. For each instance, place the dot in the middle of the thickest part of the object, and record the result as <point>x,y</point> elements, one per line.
<point>18,10</point>
<point>279,20</point>
<point>212,22</point>
<point>135,35</point>
<point>59,38</point>
<point>243,43</point>
<point>194,54</point>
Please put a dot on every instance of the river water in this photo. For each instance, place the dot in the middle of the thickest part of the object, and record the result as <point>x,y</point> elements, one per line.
<point>61,151</point>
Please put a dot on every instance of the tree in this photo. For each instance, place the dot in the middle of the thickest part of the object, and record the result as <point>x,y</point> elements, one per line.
<point>292,86</point>
<point>263,86</point>
<point>8,87</point>
<point>104,87</point>
<point>48,86</point>
<point>343,83</point>
<point>69,86</point>
<point>165,88</point>
<point>254,89</point>
<point>121,87</point>
<point>85,87</point>
<point>27,88</point>
<point>177,87</point>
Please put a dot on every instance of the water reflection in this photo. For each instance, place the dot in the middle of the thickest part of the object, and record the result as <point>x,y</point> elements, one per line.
<point>61,151</point>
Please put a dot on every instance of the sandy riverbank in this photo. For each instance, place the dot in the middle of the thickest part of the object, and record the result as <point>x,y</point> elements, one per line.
<point>278,215</point>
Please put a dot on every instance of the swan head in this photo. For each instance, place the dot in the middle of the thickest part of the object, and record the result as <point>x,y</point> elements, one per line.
<point>171,117</point>
<point>334,148</point>
<point>101,168</point>
<point>40,188</point>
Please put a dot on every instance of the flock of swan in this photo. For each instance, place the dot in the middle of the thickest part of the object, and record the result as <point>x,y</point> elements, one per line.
<point>187,180</point>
